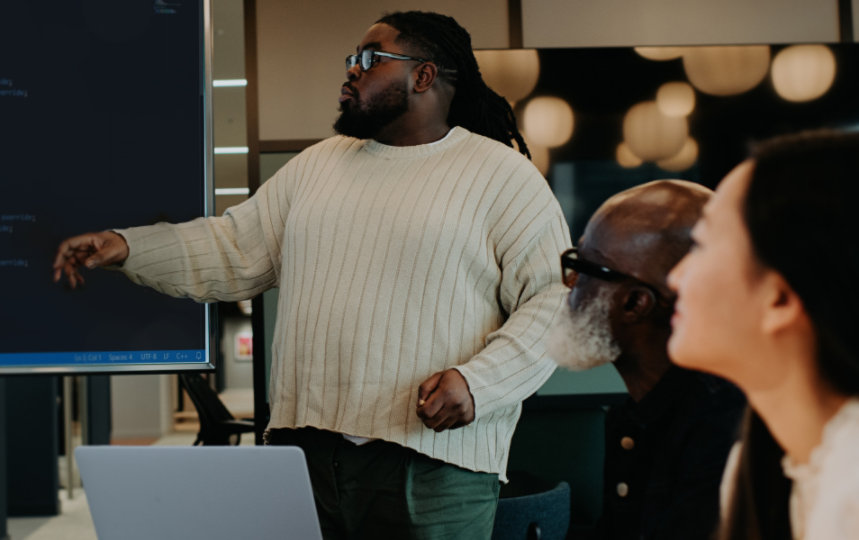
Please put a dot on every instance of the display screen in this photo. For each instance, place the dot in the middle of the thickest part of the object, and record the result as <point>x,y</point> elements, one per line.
<point>103,125</point>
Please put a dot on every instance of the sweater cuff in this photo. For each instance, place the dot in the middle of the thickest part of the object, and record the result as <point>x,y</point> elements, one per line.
<point>488,397</point>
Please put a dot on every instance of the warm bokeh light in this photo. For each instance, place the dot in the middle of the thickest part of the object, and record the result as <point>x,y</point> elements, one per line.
<point>726,70</point>
<point>548,121</point>
<point>660,53</point>
<point>512,74</point>
<point>625,157</point>
<point>803,72</point>
<point>540,158</point>
<point>676,98</point>
<point>685,158</point>
<point>650,134</point>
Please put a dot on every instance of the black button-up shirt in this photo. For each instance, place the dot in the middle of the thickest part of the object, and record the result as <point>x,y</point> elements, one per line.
<point>664,458</point>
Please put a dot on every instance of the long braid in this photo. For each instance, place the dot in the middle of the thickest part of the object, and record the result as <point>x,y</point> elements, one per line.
<point>475,106</point>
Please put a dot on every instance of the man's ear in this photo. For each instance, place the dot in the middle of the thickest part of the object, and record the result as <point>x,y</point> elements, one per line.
<point>638,302</point>
<point>425,76</point>
<point>782,306</point>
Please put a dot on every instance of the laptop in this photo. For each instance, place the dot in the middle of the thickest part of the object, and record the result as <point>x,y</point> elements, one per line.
<point>191,492</point>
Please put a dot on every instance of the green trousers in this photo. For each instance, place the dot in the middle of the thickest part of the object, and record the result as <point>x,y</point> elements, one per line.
<point>382,490</point>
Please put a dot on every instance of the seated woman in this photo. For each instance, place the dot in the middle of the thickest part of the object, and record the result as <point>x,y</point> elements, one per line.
<point>767,299</point>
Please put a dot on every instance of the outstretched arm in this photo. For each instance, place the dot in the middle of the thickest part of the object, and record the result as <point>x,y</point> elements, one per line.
<point>228,257</point>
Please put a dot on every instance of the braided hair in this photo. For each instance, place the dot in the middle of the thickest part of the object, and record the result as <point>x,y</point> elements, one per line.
<point>475,106</point>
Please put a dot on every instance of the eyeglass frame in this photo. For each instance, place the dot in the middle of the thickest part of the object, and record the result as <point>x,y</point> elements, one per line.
<point>571,262</point>
<point>353,60</point>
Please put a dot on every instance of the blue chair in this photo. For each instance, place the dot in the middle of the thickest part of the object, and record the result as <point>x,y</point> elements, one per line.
<point>536,516</point>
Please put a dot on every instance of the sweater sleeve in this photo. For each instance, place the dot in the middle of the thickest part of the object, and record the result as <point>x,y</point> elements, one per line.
<point>231,257</point>
<point>513,365</point>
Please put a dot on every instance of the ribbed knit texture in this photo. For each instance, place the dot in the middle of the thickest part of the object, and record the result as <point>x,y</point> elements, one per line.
<point>393,263</point>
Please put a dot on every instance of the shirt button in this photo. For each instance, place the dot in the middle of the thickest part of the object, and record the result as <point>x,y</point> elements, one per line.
<point>623,489</point>
<point>627,443</point>
<point>336,464</point>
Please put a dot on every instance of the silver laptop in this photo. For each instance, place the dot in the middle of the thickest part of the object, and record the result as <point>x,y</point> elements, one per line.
<point>206,493</point>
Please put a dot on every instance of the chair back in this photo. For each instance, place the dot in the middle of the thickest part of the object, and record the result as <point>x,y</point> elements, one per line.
<point>205,399</point>
<point>543,516</point>
<point>217,424</point>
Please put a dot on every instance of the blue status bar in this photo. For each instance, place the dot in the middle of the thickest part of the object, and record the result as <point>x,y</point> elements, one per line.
<point>81,358</point>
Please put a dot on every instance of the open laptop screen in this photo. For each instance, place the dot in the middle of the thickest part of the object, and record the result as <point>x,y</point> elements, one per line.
<point>212,493</point>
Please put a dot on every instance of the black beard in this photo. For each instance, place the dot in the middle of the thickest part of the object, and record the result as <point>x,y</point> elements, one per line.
<point>367,122</point>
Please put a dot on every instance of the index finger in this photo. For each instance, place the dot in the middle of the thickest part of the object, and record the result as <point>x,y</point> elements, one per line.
<point>69,246</point>
<point>63,251</point>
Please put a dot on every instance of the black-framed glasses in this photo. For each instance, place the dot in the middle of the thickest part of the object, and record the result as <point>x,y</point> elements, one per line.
<point>572,265</point>
<point>368,58</point>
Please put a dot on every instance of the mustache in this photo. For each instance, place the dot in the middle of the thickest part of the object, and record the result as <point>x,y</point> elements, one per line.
<point>348,85</point>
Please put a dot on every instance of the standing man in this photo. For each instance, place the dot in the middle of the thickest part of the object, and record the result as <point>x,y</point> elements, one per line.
<point>666,446</point>
<point>416,255</point>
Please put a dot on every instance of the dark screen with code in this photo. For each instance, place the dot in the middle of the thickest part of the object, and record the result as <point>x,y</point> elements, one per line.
<point>102,126</point>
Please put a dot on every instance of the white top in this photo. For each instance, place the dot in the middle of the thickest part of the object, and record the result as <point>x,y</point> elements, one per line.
<point>824,500</point>
<point>393,263</point>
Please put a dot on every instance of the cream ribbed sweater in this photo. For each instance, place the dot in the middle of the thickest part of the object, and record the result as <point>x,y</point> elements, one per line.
<point>393,263</point>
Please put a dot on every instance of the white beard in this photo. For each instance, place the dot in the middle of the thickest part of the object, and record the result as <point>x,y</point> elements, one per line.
<point>582,339</point>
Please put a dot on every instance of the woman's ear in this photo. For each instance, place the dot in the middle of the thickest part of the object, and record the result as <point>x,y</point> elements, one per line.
<point>425,76</point>
<point>782,307</point>
<point>638,302</point>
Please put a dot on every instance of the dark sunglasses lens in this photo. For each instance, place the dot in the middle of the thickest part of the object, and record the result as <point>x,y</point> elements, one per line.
<point>351,60</point>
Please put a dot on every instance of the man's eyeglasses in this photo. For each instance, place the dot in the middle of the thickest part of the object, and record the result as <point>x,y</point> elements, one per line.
<point>368,58</point>
<point>572,265</point>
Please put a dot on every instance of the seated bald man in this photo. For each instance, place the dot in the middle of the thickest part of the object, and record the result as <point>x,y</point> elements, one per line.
<point>667,444</point>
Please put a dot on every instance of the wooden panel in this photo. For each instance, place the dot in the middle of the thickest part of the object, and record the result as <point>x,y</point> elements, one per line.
<point>301,47</point>
<point>855,16</point>
<point>594,23</point>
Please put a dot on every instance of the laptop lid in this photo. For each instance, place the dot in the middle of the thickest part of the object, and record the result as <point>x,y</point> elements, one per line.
<point>207,493</point>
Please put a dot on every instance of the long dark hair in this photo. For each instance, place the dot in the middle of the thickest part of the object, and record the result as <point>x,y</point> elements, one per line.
<point>475,106</point>
<point>800,211</point>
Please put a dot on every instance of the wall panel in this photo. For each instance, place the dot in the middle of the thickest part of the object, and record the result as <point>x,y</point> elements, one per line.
<point>595,23</point>
<point>855,8</point>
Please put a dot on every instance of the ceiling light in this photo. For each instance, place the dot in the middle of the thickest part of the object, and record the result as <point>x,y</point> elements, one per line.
<point>675,99</point>
<point>512,74</point>
<point>660,53</point>
<point>548,121</point>
<point>626,158</point>
<point>682,160</point>
<point>726,70</point>
<point>650,134</point>
<point>803,72</point>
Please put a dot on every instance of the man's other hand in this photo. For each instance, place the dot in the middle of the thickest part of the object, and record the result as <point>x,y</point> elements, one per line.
<point>90,250</point>
<point>445,402</point>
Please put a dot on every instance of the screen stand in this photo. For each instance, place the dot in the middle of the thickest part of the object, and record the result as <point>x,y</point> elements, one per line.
<point>32,437</point>
<point>4,534</point>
